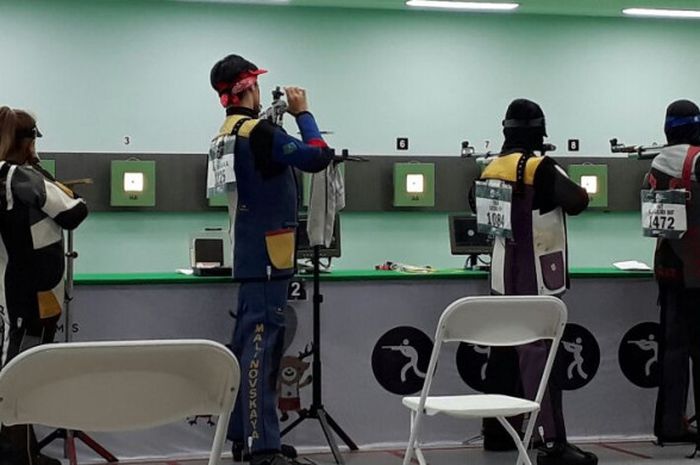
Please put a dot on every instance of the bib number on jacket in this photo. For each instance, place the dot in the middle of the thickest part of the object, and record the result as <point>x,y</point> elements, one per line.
<point>220,166</point>
<point>664,213</point>
<point>493,208</point>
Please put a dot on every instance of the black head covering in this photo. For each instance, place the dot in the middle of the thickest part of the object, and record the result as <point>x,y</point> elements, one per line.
<point>524,126</point>
<point>682,123</point>
<point>227,70</point>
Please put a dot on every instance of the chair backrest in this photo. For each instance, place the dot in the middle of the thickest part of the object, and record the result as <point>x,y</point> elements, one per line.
<point>118,386</point>
<point>502,320</point>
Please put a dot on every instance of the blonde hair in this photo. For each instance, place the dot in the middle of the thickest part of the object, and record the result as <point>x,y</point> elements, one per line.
<point>12,121</point>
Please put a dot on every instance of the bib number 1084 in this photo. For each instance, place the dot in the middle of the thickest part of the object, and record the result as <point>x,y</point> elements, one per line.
<point>493,208</point>
<point>496,219</point>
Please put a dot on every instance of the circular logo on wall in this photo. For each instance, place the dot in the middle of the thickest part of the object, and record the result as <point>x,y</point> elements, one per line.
<point>400,360</point>
<point>472,362</point>
<point>578,358</point>
<point>639,354</point>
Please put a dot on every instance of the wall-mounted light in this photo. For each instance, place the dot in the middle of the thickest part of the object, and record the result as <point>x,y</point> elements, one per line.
<point>133,182</point>
<point>661,13</point>
<point>464,6</point>
<point>590,183</point>
<point>415,183</point>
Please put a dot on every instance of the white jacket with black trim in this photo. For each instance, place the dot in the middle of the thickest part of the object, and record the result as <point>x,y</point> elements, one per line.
<point>34,211</point>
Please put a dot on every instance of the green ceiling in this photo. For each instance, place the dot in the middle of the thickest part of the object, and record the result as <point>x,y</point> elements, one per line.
<point>555,7</point>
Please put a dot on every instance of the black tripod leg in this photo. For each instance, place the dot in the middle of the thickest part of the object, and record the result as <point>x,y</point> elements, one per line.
<point>329,437</point>
<point>56,434</point>
<point>303,415</point>
<point>339,431</point>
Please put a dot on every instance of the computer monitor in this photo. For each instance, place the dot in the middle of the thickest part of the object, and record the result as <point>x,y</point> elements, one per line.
<point>209,251</point>
<point>465,238</point>
<point>305,251</point>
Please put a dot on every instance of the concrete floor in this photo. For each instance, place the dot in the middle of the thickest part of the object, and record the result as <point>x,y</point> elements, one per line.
<point>623,453</point>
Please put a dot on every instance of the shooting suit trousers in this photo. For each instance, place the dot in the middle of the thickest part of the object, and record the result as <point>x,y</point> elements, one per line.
<point>680,339</point>
<point>517,372</point>
<point>258,344</point>
<point>532,359</point>
<point>30,334</point>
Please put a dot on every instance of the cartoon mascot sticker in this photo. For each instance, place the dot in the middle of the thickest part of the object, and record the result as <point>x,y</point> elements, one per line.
<point>291,380</point>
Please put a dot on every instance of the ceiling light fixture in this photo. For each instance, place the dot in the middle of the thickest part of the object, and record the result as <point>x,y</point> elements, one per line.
<point>662,13</point>
<point>467,6</point>
<point>249,2</point>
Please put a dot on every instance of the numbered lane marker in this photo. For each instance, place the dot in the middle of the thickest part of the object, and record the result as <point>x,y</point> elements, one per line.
<point>296,290</point>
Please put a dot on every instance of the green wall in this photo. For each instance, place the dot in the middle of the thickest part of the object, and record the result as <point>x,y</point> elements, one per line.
<point>95,71</point>
<point>148,242</point>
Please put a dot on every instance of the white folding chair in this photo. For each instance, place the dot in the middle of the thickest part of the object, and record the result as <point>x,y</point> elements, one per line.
<point>120,386</point>
<point>490,321</point>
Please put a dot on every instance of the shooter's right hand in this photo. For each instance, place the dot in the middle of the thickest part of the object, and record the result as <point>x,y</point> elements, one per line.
<point>296,99</point>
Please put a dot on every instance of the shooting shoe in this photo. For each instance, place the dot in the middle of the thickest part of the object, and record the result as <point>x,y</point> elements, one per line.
<point>498,443</point>
<point>241,454</point>
<point>687,437</point>
<point>272,459</point>
<point>563,453</point>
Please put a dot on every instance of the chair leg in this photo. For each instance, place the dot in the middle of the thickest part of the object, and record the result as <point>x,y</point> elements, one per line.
<point>420,456</point>
<point>219,438</point>
<point>417,449</point>
<point>529,430</point>
<point>415,422</point>
<point>522,456</point>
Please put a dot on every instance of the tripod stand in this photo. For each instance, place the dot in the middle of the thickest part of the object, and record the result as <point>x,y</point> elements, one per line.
<point>69,436</point>
<point>317,411</point>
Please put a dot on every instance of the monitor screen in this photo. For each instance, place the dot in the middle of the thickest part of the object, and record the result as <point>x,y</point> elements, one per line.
<point>464,237</point>
<point>305,251</point>
<point>209,251</point>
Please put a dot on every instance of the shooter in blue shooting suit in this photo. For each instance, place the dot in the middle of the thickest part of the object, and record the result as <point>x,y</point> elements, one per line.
<point>263,209</point>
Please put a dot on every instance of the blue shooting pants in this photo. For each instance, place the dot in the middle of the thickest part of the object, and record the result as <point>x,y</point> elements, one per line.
<point>258,344</point>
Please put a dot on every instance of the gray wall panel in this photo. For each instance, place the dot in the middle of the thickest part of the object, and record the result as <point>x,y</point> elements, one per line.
<point>354,317</point>
<point>180,180</point>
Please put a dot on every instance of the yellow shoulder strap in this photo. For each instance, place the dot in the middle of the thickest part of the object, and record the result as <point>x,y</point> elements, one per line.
<point>505,168</point>
<point>245,129</point>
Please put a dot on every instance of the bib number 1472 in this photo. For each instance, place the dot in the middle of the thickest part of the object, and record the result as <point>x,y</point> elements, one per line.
<point>664,213</point>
